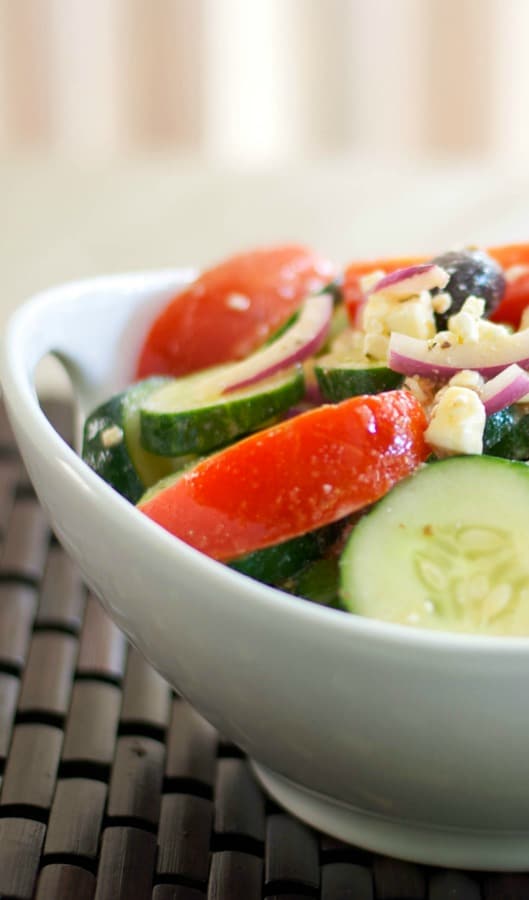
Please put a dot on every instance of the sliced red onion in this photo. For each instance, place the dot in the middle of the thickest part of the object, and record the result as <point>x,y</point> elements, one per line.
<point>300,341</point>
<point>412,280</point>
<point>299,409</point>
<point>412,356</point>
<point>508,387</point>
<point>313,394</point>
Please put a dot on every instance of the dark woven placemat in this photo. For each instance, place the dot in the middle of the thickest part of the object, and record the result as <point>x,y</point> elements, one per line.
<point>113,788</point>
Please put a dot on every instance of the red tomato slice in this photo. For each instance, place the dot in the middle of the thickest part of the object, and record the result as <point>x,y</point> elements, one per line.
<point>515,300</point>
<point>516,296</point>
<point>509,255</point>
<point>296,476</point>
<point>231,309</point>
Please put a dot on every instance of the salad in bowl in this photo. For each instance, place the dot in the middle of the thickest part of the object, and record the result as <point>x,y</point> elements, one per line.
<point>301,494</point>
<point>331,434</point>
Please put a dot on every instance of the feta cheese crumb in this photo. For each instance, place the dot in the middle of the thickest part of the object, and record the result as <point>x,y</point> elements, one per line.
<point>465,327</point>
<point>465,324</point>
<point>444,340</point>
<point>369,281</point>
<point>238,302</point>
<point>457,422</point>
<point>376,346</point>
<point>441,303</point>
<point>467,378</point>
<point>423,389</point>
<point>112,436</point>
<point>384,314</point>
<point>349,344</point>
<point>474,306</point>
<point>490,331</point>
<point>414,317</point>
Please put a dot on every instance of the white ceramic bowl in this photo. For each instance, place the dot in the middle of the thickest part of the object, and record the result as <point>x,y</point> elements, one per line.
<point>410,743</point>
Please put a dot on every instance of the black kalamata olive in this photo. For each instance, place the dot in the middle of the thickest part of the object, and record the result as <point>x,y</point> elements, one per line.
<point>472,272</point>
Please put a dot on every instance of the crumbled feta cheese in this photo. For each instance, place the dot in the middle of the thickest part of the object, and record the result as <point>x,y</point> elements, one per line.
<point>112,436</point>
<point>414,318</point>
<point>465,323</point>
<point>348,344</point>
<point>465,327</point>
<point>457,422</point>
<point>441,303</point>
<point>490,331</point>
<point>384,314</point>
<point>467,378</point>
<point>444,339</point>
<point>423,389</point>
<point>238,301</point>
<point>369,281</point>
<point>376,346</point>
<point>474,306</point>
<point>375,324</point>
<point>374,314</point>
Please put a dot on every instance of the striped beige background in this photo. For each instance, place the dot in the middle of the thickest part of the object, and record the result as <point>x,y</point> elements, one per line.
<point>265,80</point>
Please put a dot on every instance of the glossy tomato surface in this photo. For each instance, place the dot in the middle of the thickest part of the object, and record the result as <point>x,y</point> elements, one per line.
<point>294,477</point>
<point>231,309</point>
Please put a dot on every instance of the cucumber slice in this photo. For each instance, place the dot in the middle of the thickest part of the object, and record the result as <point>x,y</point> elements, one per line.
<point>273,565</point>
<point>513,438</point>
<point>497,428</point>
<point>446,549</point>
<point>111,442</point>
<point>335,289</point>
<point>340,379</point>
<point>192,415</point>
<point>318,582</point>
<point>339,322</point>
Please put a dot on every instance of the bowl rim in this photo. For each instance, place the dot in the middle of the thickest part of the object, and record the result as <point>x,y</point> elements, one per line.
<point>19,392</point>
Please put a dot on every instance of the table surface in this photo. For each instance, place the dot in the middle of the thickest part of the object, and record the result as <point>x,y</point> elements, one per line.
<point>61,220</point>
<point>113,788</point>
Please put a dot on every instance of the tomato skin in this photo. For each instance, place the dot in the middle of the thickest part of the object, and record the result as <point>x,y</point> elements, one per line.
<point>514,301</point>
<point>296,476</point>
<point>508,255</point>
<point>516,296</point>
<point>201,328</point>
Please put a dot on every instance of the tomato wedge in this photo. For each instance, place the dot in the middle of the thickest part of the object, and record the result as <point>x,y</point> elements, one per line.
<point>294,477</point>
<point>231,309</point>
<point>516,296</point>
<point>508,255</point>
<point>515,300</point>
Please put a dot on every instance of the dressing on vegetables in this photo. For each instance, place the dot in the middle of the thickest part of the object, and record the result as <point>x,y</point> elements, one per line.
<point>371,454</point>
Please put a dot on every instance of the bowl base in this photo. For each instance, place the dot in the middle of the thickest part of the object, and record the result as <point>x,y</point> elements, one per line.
<point>484,849</point>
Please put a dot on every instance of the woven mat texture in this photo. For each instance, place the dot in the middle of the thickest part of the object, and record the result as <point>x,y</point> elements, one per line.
<point>114,788</point>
